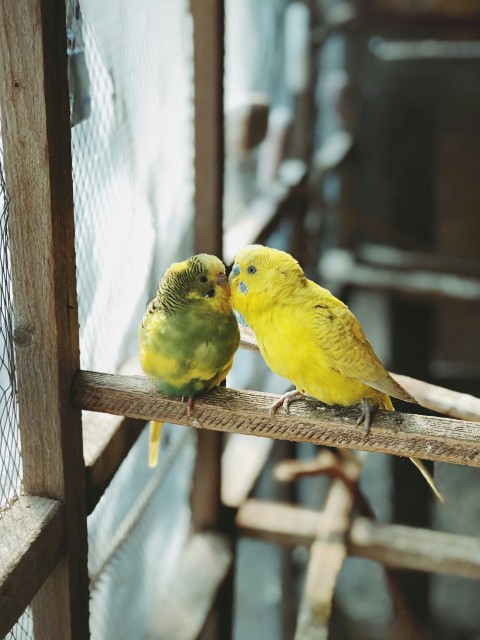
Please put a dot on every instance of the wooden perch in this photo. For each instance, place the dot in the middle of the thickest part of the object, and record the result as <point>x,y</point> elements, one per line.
<point>446,401</point>
<point>247,412</point>
<point>340,267</point>
<point>394,546</point>
<point>450,403</point>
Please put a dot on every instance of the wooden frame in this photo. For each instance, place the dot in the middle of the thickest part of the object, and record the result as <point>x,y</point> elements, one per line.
<point>36,120</point>
<point>247,412</point>
<point>43,554</point>
<point>32,542</point>
<point>208,33</point>
<point>395,546</point>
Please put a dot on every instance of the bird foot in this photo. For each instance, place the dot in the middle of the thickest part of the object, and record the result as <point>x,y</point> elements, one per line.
<point>366,416</point>
<point>189,404</point>
<point>285,400</point>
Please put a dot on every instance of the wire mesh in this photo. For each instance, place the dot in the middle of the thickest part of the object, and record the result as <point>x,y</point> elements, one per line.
<point>23,629</point>
<point>10,457</point>
<point>10,446</point>
<point>133,168</point>
<point>132,156</point>
<point>135,548</point>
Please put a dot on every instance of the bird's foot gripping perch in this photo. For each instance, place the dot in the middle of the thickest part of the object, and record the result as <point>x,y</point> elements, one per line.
<point>285,401</point>
<point>189,403</point>
<point>366,415</point>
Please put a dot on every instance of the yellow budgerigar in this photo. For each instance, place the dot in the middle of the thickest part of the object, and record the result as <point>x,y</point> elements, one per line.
<point>189,333</point>
<point>308,336</point>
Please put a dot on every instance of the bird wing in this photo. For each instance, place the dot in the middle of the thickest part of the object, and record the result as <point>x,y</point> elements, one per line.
<point>348,351</point>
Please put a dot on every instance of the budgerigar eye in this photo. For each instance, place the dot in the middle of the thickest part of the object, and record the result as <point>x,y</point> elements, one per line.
<point>203,279</point>
<point>251,269</point>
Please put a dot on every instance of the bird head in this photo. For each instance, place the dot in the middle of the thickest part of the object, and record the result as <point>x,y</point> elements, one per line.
<point>200,280</point>
<point>262,276</point>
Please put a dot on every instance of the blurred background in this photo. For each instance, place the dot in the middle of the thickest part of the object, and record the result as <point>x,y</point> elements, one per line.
<point>353,142</point>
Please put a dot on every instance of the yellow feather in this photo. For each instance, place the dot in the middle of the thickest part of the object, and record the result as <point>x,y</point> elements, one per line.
<point>154,443</point>
<point>189,333</point>
<point>308,336</point>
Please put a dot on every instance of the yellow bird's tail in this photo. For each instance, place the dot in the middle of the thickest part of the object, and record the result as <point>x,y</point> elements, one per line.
<point>425,473</point>
<point>154,443</point>
<point>387,403</point>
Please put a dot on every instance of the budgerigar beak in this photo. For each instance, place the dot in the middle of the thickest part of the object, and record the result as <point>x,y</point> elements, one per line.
<point>223,282</point>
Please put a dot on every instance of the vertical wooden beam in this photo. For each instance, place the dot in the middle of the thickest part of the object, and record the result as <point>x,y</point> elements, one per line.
<point>208,39</point>
<point>208,36</point>
<point>36,137</point>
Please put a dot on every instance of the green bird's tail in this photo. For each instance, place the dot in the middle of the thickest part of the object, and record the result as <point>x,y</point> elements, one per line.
<point>154,443</point>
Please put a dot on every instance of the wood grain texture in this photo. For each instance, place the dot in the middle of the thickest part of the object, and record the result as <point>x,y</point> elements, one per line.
<point>32,540</point>
<point>208,53</point>
<point>36,138</point>
<point>395,546</point>
<point>204,565</point>
<point>246,412</point>
<point>208,31</point>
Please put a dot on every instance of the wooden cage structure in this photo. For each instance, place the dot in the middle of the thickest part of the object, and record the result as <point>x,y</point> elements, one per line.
<point>43,536</point>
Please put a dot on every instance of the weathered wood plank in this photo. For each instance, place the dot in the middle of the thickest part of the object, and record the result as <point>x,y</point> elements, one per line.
<point>340,267</point>
<point>208,30</point>
<point>208,52</point>
<point>445,401</point>
<point>277,522</point>
<point>401,547</point>
<point>32,540</point>
<point>247,412</point>
<point>203,567</point>
<point>36,138</point>
<point>394,546</point>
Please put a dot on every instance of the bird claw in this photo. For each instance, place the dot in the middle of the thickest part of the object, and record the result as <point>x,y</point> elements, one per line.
<point>366,416</point>
<point>284,401</point>
<point>189,405</point>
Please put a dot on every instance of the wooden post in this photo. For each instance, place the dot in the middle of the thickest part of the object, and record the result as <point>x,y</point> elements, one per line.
<point>208,34</point>
<point>208,39</point>
<point>36,137</point>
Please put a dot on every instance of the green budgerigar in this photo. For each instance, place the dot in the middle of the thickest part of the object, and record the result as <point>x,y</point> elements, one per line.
<point>189,333</point>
